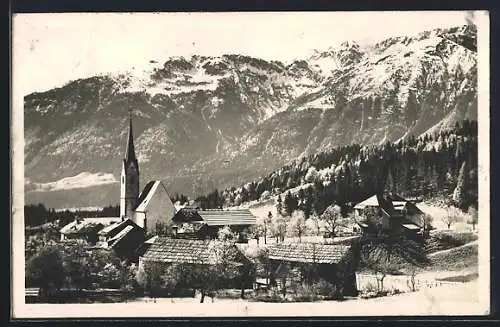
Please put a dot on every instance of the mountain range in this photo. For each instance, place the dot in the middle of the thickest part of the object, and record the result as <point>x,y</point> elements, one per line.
<point>211,122</point>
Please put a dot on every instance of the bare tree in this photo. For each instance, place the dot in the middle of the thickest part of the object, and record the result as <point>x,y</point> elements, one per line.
<point>297,225</point>
<point>382,255</point>
<point>278,227</point>
<point>315,225</point>
<point>332,218</point>
<point>427,221</point>
<point>267,224</point>
<point>453,215</point>
<point>411,282</point>
<point>473,216</point>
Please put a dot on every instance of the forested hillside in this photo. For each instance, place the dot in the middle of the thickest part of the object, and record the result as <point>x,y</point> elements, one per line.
<point>434,165</point>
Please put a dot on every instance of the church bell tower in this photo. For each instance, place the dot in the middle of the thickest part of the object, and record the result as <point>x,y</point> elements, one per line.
<point>129,179</point>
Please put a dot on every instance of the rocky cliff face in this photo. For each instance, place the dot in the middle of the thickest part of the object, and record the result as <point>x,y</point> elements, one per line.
<point>205,122</point>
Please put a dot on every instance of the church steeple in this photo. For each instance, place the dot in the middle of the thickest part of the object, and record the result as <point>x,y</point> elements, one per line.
<point>129,183</point>
<point>130,150</point>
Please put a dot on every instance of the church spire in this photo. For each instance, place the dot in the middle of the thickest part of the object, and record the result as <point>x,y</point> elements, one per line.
<point>130,151</point>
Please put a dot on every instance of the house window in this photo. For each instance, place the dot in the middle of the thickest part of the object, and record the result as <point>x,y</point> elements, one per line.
<point>123,179</point>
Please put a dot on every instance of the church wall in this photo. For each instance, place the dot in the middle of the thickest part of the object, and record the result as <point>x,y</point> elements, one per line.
<point>122,191</point>
<point>159,209</point>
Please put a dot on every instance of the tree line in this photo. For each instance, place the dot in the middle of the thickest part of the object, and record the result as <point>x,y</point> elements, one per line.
<point>38,214</point>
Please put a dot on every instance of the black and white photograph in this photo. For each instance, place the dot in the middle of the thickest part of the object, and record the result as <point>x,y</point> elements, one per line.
<point>222,164</point>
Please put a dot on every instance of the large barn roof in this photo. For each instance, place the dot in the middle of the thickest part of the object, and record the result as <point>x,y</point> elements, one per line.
<point>216,217</point>
<point>309,252</point>
<point>227,217</point>
<point>171,250</point>
<point>184,251</point>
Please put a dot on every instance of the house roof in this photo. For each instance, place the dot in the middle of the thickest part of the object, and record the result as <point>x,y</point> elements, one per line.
<point>86,224</point>
<point>177,250</point>
<point>370,202</point>
<point>151,240</point>
<point>118,237</point>
<point>145,192</point>
<point>410,226</point>
<point>227,217</point>
<point>216,217</point>
<point>174,250</point>
<point>308,252</point>
<point>391,205</point>
<point>106,230</point>
<point>116,227</point>
<point>146,195</point>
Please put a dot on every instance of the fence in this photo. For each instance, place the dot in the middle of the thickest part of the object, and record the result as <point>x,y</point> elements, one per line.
<point>400,282</point>
<point>84,296</point>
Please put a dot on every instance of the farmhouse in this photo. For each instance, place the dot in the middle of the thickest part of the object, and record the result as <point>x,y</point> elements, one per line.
<point>299,263</point>
<point>191,222</point>
<point>168,251</point>
<point>124,237</point>
<point>379,214</point>
<point>86,228</point>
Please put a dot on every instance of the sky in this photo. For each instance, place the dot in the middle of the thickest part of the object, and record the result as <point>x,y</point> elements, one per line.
<point>49,50</point>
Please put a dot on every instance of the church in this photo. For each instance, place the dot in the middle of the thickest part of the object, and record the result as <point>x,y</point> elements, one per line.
<point>152,208</point>
<point>151,212</point>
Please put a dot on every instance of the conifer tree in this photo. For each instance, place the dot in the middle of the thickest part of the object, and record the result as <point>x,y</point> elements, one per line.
<point>279,205</point>
<point>459,194</point>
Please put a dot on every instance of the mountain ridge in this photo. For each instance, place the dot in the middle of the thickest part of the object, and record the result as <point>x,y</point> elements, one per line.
<point>204,122</point>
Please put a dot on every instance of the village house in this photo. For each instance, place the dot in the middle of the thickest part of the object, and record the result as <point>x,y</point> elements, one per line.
<point>124,237</point>
<point>298,263</point>
<point>86,229</point>
<point>193,223</point>
<point>390,213</point>
<point>168,251</point>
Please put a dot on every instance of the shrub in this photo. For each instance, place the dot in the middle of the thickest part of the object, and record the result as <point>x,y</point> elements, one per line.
<point>394,291</point>
<point>323,287</point>
<point>272,296</point>
<point>45,269</point>
<point>305,293</point>
<point>370,287</point>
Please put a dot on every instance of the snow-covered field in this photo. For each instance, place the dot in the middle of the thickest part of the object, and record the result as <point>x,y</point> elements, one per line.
<point>437,213</point>
<point>449,299</point>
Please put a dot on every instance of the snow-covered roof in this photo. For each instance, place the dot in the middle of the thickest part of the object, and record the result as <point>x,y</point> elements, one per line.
<point>151,240</point>
<point>308,252</point>
<point>81,225</point>
<point>411,226</point>
<point>108,228</point>
<point>115,239</point>
<point>149,191</point>
<point>227,217</point>
<point>399,203</point>
<point>370,202</point>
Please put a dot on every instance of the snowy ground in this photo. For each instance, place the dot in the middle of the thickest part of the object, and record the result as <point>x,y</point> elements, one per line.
<point>449,299</point>
<point>437,213</point>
